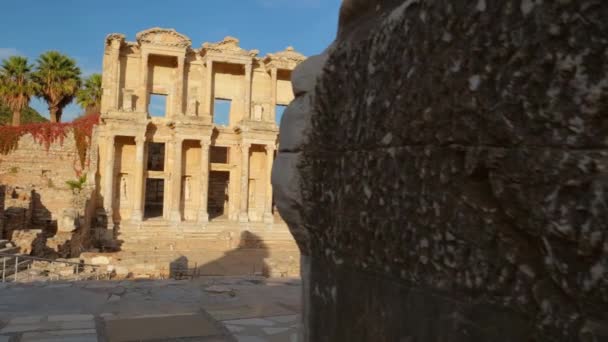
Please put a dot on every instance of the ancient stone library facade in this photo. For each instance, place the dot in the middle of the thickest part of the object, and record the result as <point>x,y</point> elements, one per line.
<point>182,157</point>
<point>177,164</point>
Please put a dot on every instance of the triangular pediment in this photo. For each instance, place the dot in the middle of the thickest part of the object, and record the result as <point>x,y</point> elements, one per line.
<point>230,46</point>
<point>286,59</point>
<point>163,37</point>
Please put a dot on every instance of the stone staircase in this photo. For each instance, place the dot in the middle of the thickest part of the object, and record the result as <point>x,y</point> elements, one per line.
<point>158,248</point>
<point>162,236</point>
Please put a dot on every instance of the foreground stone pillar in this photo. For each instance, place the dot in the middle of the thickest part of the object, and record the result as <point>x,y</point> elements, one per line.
<point>268,216</point>
<point>244,207</point>
<point>138,179</point>
<point>176,182</point>
<point>248,78</point>
<point>108,195</point>
<point>471,209</point>
<point>203,215</point>
<point>273,96</point>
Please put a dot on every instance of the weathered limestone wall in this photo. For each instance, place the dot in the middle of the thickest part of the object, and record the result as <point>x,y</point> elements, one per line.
<point>38,204</point>
<point>452,173</point>
<point>31,166</point>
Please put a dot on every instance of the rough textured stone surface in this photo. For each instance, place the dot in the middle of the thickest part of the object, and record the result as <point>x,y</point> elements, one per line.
<point>36,198</point>
<point>454,180</point>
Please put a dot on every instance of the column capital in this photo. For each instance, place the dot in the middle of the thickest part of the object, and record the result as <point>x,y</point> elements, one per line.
<point>205,144</point>
<point>140,139</point>
<point>245,145</point>
<point>270,147</point>
<point>273,72</point>
<point>115,44</point>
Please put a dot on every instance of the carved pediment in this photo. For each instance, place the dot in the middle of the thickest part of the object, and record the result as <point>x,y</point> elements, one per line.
<point>287,59</point>
<point>230,46</point>
<point>163,37</point>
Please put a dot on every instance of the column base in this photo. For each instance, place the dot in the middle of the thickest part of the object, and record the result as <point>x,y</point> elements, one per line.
<point>243,217</point>
<point>176,217</point>
<point>109,220</point>
<point>268,218</point>
<point>203,217</point>
<point>137,216</point>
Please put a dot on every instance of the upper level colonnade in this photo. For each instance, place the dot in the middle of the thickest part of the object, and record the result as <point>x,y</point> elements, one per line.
<point>161,62</point>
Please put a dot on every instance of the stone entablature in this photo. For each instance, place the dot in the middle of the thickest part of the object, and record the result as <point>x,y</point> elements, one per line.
<point>160,168</point>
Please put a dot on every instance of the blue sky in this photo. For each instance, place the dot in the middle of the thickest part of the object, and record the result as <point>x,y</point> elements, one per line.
<point>78,27</point>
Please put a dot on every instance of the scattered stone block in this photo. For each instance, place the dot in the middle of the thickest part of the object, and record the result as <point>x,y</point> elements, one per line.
<point>100,260</point>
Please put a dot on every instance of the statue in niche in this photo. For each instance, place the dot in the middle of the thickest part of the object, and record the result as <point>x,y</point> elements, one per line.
<point>123,187</point>
<point>192,103</point>
<point>258,112</point>
<point>127,100</point>
<point>187,188</point>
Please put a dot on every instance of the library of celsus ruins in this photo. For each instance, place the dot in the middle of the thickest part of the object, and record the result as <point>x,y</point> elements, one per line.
<point>170,170</point>
<point>179,171</point>
<point>181,167</point>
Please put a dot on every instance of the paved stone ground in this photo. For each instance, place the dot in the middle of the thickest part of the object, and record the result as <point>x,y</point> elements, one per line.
<point>243,309</point>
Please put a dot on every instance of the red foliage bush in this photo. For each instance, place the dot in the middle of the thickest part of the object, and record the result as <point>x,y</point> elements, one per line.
<point>49,133</point>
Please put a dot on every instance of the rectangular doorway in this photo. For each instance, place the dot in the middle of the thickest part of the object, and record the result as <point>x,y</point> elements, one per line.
<point>155,196</point>
<point>218,202</point>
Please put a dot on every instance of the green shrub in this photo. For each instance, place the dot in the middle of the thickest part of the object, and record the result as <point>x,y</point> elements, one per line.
<point>77,184</point>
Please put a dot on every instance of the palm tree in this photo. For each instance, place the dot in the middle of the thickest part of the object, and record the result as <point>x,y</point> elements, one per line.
<point>57,81</point>
<point>89,96</point>
<point>16,86</point>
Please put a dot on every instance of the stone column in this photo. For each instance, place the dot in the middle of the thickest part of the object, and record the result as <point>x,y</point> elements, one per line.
<point>115,74</point>
<point>138,179</point>
<point>244,212</point>
<point>143,98</point>
<point>108,195</point>
<point>176,182</point>
<point>179,87</point>
<point>209,88</point>
<point>203,215</point>
<point>248,77</point>
<point>273,96</point>
<point>268,217</point>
